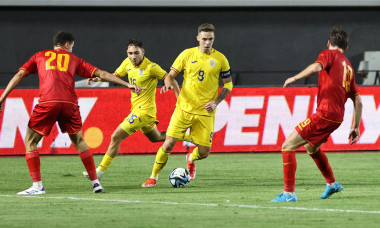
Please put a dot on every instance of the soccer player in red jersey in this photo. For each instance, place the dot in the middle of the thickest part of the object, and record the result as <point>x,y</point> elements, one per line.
<point>58,102</point>
<point>336,83</point>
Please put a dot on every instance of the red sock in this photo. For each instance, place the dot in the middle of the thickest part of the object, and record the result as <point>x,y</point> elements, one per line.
<point>290,167</point>
<point>322,162</point>
<point>89,164</point>
<point>33,161</point>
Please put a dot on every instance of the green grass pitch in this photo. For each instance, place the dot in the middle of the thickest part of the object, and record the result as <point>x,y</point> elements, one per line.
<point>230,190</point>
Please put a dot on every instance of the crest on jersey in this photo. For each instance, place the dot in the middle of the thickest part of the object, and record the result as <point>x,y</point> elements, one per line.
<point>211,62</point>
<point>141,72</point>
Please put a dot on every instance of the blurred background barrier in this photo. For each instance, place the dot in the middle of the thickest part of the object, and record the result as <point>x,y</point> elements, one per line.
<point>369,68</point>
<point>249,120</point>
<point>264,41</point>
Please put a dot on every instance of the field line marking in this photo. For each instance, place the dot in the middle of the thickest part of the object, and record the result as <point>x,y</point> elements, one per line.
<point>198,204</point>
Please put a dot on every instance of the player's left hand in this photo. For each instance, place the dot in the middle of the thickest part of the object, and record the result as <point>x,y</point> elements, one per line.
<point>96,79</point>
<point>354,135</point>
<point>136,89</point>
<point>210,106</point>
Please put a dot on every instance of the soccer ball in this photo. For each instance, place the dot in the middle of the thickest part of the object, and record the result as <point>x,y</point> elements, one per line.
<point>179,177</point>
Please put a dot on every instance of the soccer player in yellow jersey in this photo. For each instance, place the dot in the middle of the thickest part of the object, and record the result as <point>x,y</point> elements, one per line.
<point>144,73</point>
<point>203,67</point>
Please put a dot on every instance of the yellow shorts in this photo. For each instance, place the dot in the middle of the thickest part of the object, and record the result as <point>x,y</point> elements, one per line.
<point>138,121</point>
<point>201,127</point>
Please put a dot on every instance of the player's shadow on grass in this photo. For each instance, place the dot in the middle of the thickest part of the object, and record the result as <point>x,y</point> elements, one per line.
<point>66,175</point>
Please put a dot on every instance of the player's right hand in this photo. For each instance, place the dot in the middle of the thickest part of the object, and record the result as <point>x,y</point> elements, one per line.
<point>166,88</point>
<point>354,135</point>
<point>1,106</point>
<point>289,81</point>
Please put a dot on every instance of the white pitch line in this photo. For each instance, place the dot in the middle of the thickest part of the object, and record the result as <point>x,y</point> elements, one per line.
<point>198,204</point>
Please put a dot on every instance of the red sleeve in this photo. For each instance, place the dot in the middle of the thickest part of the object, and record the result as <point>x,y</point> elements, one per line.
<point>30,66</point>
<point>85,69</point>
<point>325,58</point>
<point>354,89</point>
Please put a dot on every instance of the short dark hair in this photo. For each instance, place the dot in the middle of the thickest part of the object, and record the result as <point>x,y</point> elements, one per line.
<point>62,37</point>
<point>206,28</point>
<point>338,37</point>
<point>135,42</point>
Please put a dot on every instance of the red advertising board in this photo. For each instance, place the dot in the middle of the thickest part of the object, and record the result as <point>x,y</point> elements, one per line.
<point>248,120</point>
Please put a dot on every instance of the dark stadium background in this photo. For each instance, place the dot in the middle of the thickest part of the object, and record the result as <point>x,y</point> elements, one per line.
<point>264,45</point>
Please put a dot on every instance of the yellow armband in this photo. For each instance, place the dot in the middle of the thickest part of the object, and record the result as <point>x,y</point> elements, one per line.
<point>228,86</point>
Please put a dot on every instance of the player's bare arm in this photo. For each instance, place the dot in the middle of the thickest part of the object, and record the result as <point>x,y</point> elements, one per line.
<point>176,88</point>
<point>307,72</point>
<point>105,76</point>
<point>95,79</point>
<point>171,83</point>
<point>354,132</point>
<point>17,78</point>
<point>223,94</point>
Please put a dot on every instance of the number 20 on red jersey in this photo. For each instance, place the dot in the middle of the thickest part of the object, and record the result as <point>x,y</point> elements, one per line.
<point>61,59</point>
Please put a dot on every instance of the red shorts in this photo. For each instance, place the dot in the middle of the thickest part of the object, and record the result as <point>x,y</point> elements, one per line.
<point>316,129</point>
<point>46,114</point>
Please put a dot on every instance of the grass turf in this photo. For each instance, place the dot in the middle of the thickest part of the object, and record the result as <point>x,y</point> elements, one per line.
<point>229,191</point>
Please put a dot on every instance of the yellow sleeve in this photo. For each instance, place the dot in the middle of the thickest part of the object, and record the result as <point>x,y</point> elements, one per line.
<point>121,71</point>
<point>228,86</point>
<point>180,62</point>
<point>226,69</point>
<point>157,71</point>
<point>225,64</point>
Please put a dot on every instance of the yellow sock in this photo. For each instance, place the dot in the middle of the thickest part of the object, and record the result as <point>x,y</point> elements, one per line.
<point>195,155</point>
<point>106,162</point>
<point>161,158</point>
<point>186,138</point>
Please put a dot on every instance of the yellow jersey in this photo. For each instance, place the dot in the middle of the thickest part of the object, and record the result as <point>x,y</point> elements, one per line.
<point>201,79</point>
<point>145,75</point>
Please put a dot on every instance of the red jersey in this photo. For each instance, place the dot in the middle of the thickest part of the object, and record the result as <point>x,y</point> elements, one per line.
<point>336,83</point>
<point>56,71</point>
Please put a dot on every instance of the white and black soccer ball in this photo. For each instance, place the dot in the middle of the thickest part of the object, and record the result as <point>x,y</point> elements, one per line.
<point>179,177</point>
